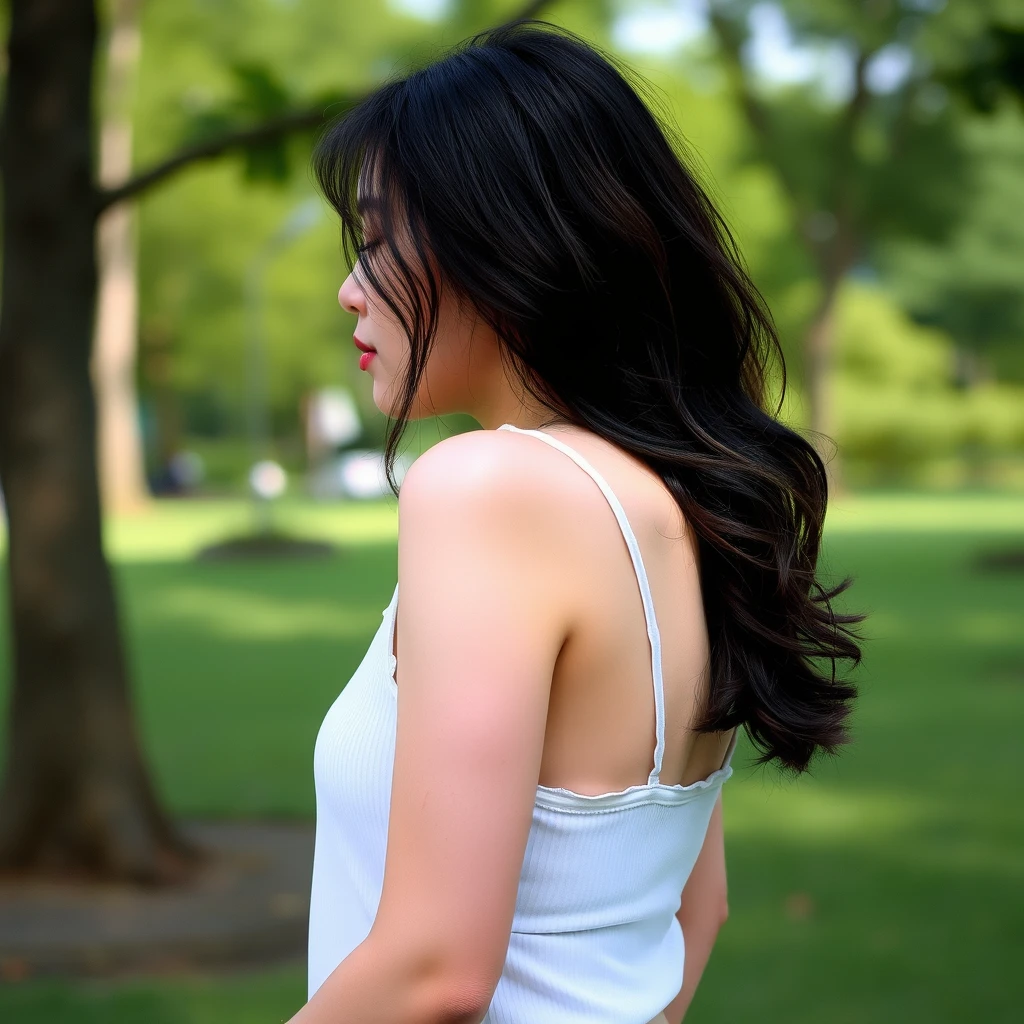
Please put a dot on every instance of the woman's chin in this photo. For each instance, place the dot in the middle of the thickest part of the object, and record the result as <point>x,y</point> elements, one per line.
<point>384,400</point>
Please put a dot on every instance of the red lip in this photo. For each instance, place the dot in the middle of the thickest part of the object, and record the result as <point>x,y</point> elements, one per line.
<point>363,347</point>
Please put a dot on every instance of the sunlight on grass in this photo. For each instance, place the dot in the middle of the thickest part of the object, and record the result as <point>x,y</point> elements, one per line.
<point>926,513</point>
<point>901,828</point>
<point>178,529</point>
<point>990,626</point>
<point>814,812</point>
<point>956,626</point>
<point>253,617</point>
<point>967,854</point>
<point>174,529</point>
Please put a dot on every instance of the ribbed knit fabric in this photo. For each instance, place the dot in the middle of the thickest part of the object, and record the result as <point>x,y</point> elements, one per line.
<point>594,936</point>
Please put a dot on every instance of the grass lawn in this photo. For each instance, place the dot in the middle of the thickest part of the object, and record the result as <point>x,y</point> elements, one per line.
<point>886,889</point>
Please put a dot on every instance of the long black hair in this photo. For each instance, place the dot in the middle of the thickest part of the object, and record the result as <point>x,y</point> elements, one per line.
<point>524,172</point>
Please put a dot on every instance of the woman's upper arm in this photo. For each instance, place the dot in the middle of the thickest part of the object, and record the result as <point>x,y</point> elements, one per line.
<point>706,890</point>
<point>479,633</point>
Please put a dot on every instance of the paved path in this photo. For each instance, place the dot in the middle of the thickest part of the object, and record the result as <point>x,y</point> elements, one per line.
<point>249,904</point>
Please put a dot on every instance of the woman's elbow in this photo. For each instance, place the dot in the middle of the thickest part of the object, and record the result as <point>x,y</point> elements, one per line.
<point>723,913</point>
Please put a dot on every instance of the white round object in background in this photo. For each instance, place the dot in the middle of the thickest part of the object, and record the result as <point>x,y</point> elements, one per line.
<point>268,479</point>
<point>357,473</point>
<point>362,474</point>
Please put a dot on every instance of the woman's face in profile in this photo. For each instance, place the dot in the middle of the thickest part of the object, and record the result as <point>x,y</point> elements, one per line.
<point>451,377</point>
<point>376,328</point>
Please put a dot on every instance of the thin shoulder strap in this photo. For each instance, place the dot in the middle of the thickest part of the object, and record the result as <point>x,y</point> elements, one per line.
<point>641,575</point>
<point>727,762</point>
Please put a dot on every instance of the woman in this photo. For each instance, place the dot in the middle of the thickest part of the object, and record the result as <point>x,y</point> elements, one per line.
<point>519,790</point>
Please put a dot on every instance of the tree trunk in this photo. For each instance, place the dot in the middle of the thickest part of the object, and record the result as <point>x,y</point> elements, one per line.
<point>819,342</point>
<point>76,796</point>
<point>122,465</point>
<point>819,345</point>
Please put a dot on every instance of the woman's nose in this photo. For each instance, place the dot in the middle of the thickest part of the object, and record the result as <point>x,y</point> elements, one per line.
<point>350,296</point>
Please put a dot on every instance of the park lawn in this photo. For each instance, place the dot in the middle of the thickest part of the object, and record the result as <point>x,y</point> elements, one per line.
<point>888,888</point>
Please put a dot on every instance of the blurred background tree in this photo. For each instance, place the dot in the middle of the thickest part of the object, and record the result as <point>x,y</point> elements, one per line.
<point>76,793</point>
<point>855,134</point>
<point>121,462</point>
<point>765,94</point>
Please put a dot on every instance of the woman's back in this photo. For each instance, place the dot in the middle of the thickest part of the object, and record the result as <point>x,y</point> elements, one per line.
<point>601,709</point>
<point>594,935</point>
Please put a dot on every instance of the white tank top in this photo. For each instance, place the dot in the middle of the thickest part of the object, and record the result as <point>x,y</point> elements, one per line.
<point>594,939</point>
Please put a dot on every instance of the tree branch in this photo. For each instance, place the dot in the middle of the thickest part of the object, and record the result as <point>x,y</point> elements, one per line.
<point>245,138</point>
<point>842,251</point>
<point>827,253</point>
<point>730,43</point>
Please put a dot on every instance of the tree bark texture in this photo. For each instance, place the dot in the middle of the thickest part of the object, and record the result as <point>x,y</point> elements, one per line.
<point>819,343</point>
<point>819,348</point>
<point>76,796</point>
<point>122,463</point>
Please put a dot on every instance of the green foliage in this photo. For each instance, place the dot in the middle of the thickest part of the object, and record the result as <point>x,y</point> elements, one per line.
<point>200,234</point>
<point>897,400</point>
<point>985,62</point>
<point>928,186</point>
<point>973,284</point>
<point>881,347</point>
<point>208,68</point>
<point>856,162</point>
<point>260,97</point>
<point>905,180</point>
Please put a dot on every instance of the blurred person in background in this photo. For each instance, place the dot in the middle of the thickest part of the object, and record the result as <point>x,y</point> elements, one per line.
<point>519,792</point>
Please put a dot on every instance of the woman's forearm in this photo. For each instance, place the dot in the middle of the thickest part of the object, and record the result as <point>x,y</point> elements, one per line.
<point>699,935</point>
<point>373,985</point>
<point>703,908</point>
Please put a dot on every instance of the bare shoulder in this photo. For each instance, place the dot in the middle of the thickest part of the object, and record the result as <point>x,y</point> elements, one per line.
<point>473,513</point>
<point>484,503</point>
<point>492,471</point>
